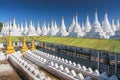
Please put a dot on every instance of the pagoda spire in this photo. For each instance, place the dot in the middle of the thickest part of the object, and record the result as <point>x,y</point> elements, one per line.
<point>52,23</point>
<point>14,22</point>
<point>83,27</point>
<point>31,23</point>
<point>76,19</point>
<point>26,24</point>
<point>38,24</point>
<point>21,27</point>
<point>73,22</point>
<point>63,23</point>
<point>72,25</point>
<point>87,24</point>
<point>7,24</point>
<point>44,25</point>
<point>96,22</point>
<point>113,21</point>
<point>48,29</point>
<point>55,24</point>
<point>10,25</point>
<point>87,20</point>
<point>106,21</point>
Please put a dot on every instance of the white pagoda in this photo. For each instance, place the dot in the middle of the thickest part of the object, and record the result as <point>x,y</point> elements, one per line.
<point>96,30</point>
<point>5,29</point>
<point>72,25</point>
<point>117,32</point>
<point>14,29</point>
<point>83,27</point>
<point>62,31</point>
<point>21,29</point>
<point>107,27</point>
<point>87,24</point>
<point>38,31</point>
<point>31,31</point>
<point>44,30</point>
<point>56,27</point>
<point>25,29</point>
<point>76,31</point>
<point>18,28</point>
<point>52,31</point>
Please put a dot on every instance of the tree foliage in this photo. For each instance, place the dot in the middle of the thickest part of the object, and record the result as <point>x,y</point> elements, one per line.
<point>1,25</point>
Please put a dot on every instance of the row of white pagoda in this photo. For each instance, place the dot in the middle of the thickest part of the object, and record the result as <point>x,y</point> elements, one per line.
<point>87,30</point>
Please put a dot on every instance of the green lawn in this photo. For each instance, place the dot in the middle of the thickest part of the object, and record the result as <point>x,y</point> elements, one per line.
<point>98,44</point>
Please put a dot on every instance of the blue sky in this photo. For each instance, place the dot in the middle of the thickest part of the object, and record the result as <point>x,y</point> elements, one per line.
<point>46,10</point>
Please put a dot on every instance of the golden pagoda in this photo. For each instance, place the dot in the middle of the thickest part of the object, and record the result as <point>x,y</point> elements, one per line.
<point>10,48</point>
<point>24,46</point>
<point>33,45</point>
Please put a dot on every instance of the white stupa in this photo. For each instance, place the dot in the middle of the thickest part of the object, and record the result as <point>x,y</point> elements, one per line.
<point>76,31</point>
<point>38,29</point>
<point>44,30</point>
<point>113,26</point>
<point>3,31</point>
<point>21,29</point>
<point>83,27</point>
<point>96,30</point>
<point>87,24</point>
<point>62,31</point>
<point>14,29</point>
<point>25,29</point>
<point>56,27</point>
<point>117,32</point>
<point>18,29</point>
<point>72,25</point>
<point>7,28</point>
<point>31,31</point>
<point>10,25</point>
<point>48,29</point>
<point>52,31</point>
<point>107,27</point>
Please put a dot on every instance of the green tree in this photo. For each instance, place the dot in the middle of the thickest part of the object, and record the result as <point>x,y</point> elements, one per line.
<point>1,25</point>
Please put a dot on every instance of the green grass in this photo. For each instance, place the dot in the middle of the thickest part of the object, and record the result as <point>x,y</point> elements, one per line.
<point>98,44</point>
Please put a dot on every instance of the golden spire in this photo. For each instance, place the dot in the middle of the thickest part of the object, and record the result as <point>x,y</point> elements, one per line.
<point>24,46</point>
<point>33,45</point>
<point>10,48</point>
